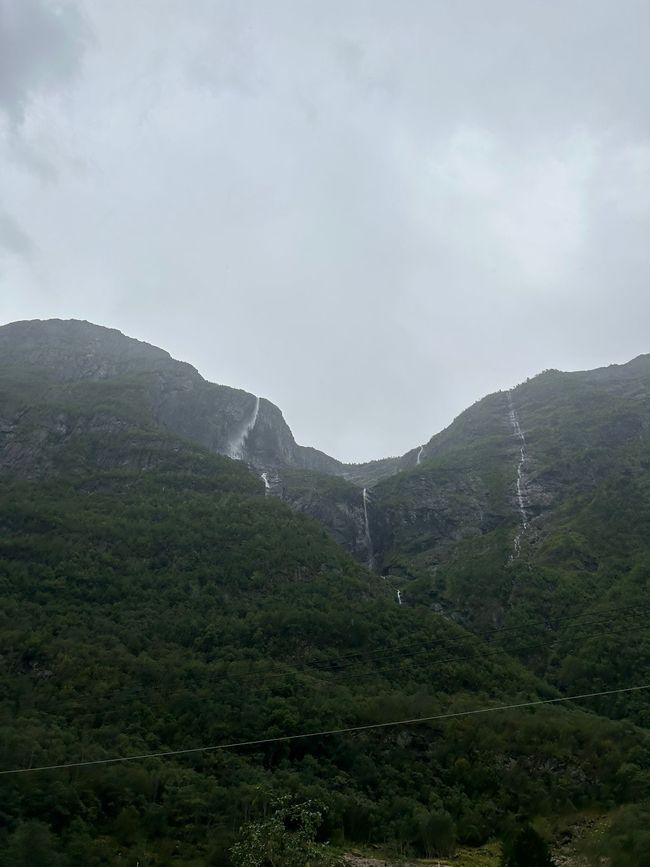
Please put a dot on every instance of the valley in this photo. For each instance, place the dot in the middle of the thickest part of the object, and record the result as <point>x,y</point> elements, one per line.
<point>176,573</point>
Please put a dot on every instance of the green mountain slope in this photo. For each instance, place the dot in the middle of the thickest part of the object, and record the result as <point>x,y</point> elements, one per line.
<point>52,369</point>
<point>145,615</point>
<point>451,532</point>
<point>153,599</point>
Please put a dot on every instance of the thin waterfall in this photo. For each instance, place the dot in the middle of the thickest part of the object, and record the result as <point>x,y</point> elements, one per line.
<point>267,484</point>
<point>371,558</point>
<point>521,502</point>
<point>419,457</point>
<point>399,596</point>
<point>237,444</point>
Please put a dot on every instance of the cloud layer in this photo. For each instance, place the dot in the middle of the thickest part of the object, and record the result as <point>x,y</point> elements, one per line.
<point>370,215</point>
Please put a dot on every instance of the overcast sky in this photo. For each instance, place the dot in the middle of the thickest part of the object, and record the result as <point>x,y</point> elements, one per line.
<point>372,213</point>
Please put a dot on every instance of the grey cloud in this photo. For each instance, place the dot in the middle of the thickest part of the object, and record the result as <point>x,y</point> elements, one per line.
<point>222,55</point>
<point>41,47</point>
<point>372,215</point>
<point>25,154</point>
<point>13,238</point>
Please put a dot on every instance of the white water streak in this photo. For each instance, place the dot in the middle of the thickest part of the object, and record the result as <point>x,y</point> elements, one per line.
<point>371,558</point>
<point>236,449</point>
<point>399,596</point>
<point>267,484</point>
<point>521,494</point>
<point>419,458</point>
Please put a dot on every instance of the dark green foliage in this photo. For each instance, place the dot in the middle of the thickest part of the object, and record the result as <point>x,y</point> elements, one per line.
<point>284,838</point>
<point>152,599</point>
<point>31,845</point>
<point>449,526</point>
<point>626,843</point>
<point>139,615</point>
<point>526,849</point>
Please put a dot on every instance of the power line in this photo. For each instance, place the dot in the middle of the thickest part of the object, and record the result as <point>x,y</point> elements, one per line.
<point>325,733</point>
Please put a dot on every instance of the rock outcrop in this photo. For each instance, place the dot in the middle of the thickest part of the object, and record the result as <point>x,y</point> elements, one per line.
<point>112,383</point>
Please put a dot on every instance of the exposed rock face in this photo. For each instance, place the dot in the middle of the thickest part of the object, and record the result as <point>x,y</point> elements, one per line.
<point>473,495</point>
<point>68,384</point>
<point>335,502</point>
<point>271,444</point>
<point>70,350</point>
<point>430,512</point>
<point>65,384</point>
<point>112,382</point>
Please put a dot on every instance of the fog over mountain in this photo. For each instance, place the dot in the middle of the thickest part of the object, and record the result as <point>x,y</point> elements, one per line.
<point>370,214</point>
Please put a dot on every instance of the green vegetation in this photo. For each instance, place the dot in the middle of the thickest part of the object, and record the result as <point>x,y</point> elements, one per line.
<point>284,838</point>
<point>526,849</point>
<point>146,612</point>
<point>626,840</point>
<point>153,600</point>
<point>572,605</point>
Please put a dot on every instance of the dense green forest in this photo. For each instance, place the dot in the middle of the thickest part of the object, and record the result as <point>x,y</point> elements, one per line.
<point>157,599</point>
<point>167,611</point>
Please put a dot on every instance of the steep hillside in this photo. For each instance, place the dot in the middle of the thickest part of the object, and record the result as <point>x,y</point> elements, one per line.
<point>66,383</point>
<point>153,599</point>
<point>533,505</point>
<point>510,462</point>
<point>68,389</point>
<point>172,610</point>
<point>63,378</point>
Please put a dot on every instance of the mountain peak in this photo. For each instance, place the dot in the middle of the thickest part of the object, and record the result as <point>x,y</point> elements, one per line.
<point>60,356</point>
<point>74,348</point>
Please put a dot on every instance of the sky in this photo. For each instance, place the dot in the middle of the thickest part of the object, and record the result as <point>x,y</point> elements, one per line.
<point>372,213</point>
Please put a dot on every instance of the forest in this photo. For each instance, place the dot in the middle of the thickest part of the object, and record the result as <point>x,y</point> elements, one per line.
<point>181,608</point>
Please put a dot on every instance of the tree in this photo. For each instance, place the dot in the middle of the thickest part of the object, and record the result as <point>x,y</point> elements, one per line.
<point>526,849</point>
<point>437,833</point>
<point>626,842</point>
<point>285,838</point>
<point>31,845</point>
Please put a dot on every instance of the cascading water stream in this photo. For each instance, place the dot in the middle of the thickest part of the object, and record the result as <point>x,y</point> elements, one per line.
<point>419,458</point>
<point>521,502</point>
<point>236,448</point>
<point>371,558</point>
<point>267,484</point>
<point>399,596</point>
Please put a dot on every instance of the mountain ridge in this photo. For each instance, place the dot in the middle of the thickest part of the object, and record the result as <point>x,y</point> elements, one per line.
<point>65,339</point>
<point>159,595</point>
<point>179,398</point>
<point>80,379</point>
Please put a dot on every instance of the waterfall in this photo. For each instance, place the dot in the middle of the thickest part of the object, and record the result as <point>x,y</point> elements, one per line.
<point>399,596</point>
<point>419,457</point>
<point>521,493</point>
<point>371,558</point>
<point>267,484</point>
<point>237,444</point>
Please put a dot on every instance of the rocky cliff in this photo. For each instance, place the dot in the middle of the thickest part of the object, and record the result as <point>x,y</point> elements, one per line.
<point>489,493</point>
<point>61,378</point>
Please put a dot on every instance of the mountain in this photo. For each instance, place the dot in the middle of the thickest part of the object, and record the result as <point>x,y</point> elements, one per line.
<point>155,598</point>
<point>76,378</point>
<point>66,385</point>
<point>534,505</point>
<point>511,462</point>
